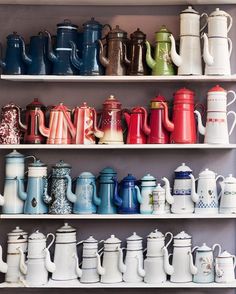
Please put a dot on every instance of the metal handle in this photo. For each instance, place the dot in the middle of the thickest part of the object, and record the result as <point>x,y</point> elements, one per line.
<point>234,97</point>
<point>234,122</point>
<point>230,46</point>
<point>53,239</point>
<point>205,24</point>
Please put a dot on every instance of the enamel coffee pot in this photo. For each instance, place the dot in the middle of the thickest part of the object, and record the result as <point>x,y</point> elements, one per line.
<point>38,263</point>
<point>162,64</point>
<point>148,183</point>
<point>189,60</point>
<point>17,241</point>
<point>216,130</point>
<point>204,262</point>
<point>228,195</point>
<point>116,63</point>
<point>162,198</point>
<point>137,54</point>
<point>224,267</point>
<point>85,192</point>
<point>184,269</point>
<point>156,264</point>
<point>132,268</point>
<point>158,134</point>
<point>34,195</point>
<point>85,123</point>
<point>61,129</point>
<point>112,264</point>
<point>208,202</point>
<point>111,122</point>
<point>183,125</point>
<point>65,255</point>
<point>138,129</point>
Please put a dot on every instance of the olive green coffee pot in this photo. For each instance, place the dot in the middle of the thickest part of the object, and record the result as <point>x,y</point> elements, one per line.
<point>162,64</point>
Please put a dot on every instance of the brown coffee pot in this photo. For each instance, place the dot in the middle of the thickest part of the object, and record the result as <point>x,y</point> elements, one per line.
<point>116,62</point>
<point>137,54</point>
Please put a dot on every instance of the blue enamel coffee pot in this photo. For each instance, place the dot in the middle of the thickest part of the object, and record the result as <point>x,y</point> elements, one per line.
<point>61,57</point>
<point>36,60</point>
<point>129,198</point>
<point>13,63</point>
<point>107,189</point>
<point>89,64</point>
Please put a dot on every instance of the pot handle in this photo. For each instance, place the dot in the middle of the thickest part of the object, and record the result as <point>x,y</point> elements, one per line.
<point>171,238</point>
<point>53,239</point>
<point>234,260</point>
<point>206,21</point>
<point>234,122</point>
<point>230,46</point>
<point>234,97</point>
<point>230,22</point>
<point>80,243</point>
<point>217,246</point>
<point>194,248</point>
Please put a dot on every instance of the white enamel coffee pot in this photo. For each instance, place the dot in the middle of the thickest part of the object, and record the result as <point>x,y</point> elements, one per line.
<point>228,195</point>
<point>225,265</point>
<point>156,264</point>
<point>182,259</point>
<point>204,262</point>
<point>39,261</point>
<point>65,255</point>
<point>207,192</point>
<point>162,198</point>
<point>148,183</point>
<point>132,268</point>
<point>112,264</point>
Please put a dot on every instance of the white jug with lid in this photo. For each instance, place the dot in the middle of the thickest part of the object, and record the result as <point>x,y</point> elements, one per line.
<point>225,265</point>
<point>228,195</point>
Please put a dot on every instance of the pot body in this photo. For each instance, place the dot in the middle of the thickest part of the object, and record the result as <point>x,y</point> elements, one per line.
<point>164,65</point>
<point>37,274</point>
<point>89,270</point>
<point>146,207</point>
<point>218,25</point>
<point>133,259</point>
<point>111,265</point>
<point>228,199</point>
<point>159,134</point>
<point>205,265</point>
<point>225,269</point>
<point>154,270</point>
<point>136,134</point>
<point>160,206</point>
<point>128,194</point>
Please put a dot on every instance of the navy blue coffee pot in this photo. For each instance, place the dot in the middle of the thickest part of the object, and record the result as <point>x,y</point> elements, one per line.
<point>37,61</point>
<point>13,63</point>
<point>129,198</point>
<point>61,56</point>
<point>89,64</point>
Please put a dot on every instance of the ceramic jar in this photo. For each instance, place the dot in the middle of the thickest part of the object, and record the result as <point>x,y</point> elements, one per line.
<point>224,267</point>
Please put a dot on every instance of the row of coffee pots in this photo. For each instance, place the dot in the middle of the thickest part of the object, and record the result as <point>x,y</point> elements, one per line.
<point>127,197</point>
<point>142,128</point>
<point>83,52</point>
<point>29,262</point>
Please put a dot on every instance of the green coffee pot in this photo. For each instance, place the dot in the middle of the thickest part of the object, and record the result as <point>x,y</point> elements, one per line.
<point>162,64</point>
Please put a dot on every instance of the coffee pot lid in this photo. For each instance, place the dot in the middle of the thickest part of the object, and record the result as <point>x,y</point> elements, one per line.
<point>182,235</point>
<point>217,88</point>
<point>230,179</point>
<point>117,33</point>
<point>182,91</point>
<point>10,106</point>
<point>35,104</point>
<point>204,247</point>
<point>218,12</point>
<point>14,36</point>
<point>92,23</point>
<point>158,188</point>
<point>37,163</point>
<point>86,175</point>
<point>61,164</point>
<point>14,154</point>
<point>90,240</point>
<point>134,237</point>
<point>112,240</point>
<point>138,34</point>
<point>129,178</point>
<point>155,235</point>
<point>225,254</point>
<point>37,236</point>
<point>66,228</point>
<point>156,102</point>
<point>148,177</point>
<point>16,231</point>
<point>112,101</point>
<point>163,35</point>
<point>107,170</point>
<point>67,23</point>
<point>183,168</point>
<point>206,173</point>
<point>189,10</point>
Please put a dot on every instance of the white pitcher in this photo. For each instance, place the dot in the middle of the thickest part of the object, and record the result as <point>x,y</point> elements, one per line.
<point>225,265</point>
<point>228,195</point>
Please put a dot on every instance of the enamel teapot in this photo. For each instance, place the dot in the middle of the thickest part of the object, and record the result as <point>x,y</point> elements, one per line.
<point>138,129</point>
<point>162,64</point>
<point>38,263</point>
<point>162,198</point>
<point>228,195</point>
<point>148,183</point>
<point>207,192</point>
<point>204,262</point>
<point>65,255</point>
<point>224,267</point>
<point>156,264</point>
<point>132,268</point>
<point>184,269</point>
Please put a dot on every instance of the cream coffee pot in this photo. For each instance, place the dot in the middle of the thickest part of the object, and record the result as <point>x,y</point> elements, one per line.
<point>39,262</point>
<point>228,195</point>
<point>207,192</point>
<point>225,265</point>
<point>162,198</point>
<point>65,255</point>
<point>148,183</point>
<point>188,61</point>
<point>184,269</point>
<point>156,264</point>
<point>216,130</point>
<point>132,269</point>
<point>204,262</point>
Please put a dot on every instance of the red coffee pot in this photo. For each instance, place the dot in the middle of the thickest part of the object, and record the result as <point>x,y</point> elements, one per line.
<point>183,125</point>
<point>159,134</point>
<point>137,126</point>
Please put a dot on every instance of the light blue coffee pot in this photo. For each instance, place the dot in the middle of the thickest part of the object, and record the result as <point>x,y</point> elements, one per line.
<point>36,186</point>
<point>85,192</point>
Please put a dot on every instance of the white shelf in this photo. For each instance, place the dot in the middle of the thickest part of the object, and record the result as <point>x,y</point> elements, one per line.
<point>124,146</point>
<point>113,79</point>
<point>116,216</point>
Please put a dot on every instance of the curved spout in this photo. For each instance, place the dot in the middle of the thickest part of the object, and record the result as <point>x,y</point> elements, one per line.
<point>50,266</point>
<point>169,197</point>
<point>2,201</point>
<point>78,270</point>
<point>117,200</point>
<point>23,266</point>
<point>27,59</point>
<point>69,194</point>
<point>146,129</point>
<point>138,193</point>
<point>3,265</point>
<point>101,270</point>
<point>141,270</point>
<point>169,269</point>
<point>76,61</point>
<point>122,266</point>
<point>174,56</point>
<point>104,61</point>
<point>194,195</point>
<point>46,198</point>
<point>208,58</point>
<point>167,123</point>
<point>192,267</point>
<point>51,54</point>
<point>201,128</point>
<point>42,128</point>
<point>21,193</point>
<point>150,61</point>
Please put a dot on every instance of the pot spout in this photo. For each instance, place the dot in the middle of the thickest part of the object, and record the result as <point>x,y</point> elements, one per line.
<point>208,58</point>
<point>201,128</point>
<point>174,55</point>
